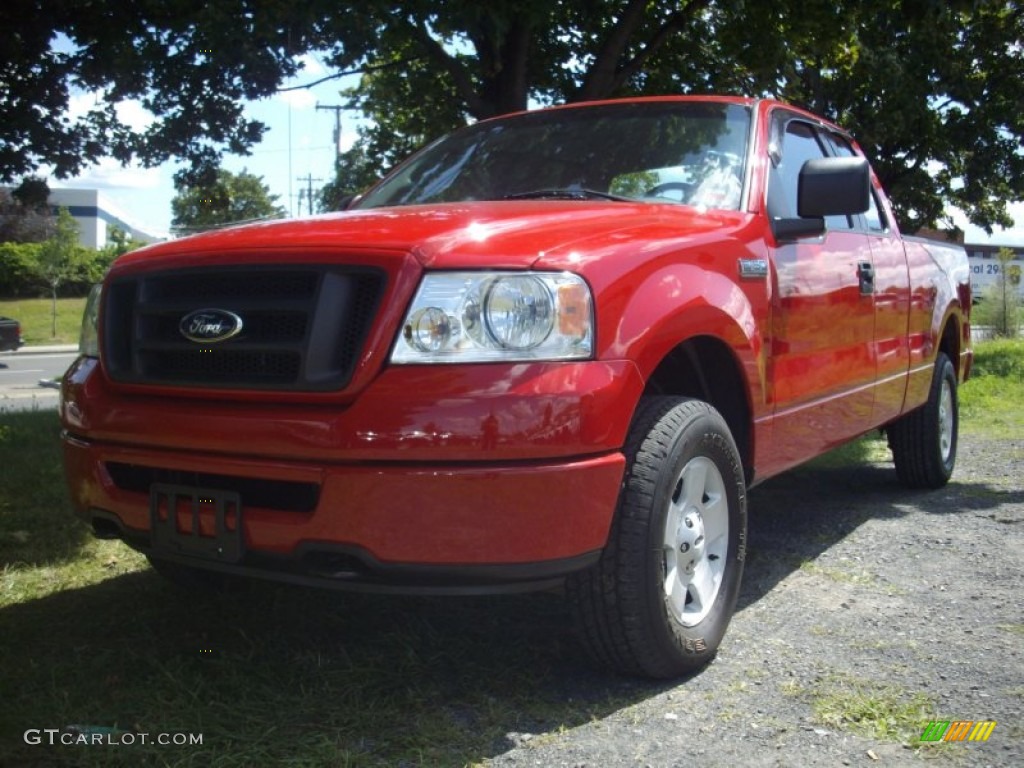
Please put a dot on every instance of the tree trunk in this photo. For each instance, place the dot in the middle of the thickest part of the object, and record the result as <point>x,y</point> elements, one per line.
<point>53,312</point>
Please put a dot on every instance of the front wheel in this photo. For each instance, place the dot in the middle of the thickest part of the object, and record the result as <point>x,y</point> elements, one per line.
<point>923,442</point>
<point>658,602</point>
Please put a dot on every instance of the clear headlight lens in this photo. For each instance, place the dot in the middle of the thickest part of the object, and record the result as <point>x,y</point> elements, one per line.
<point>460,317</point>
<point>88,339</point>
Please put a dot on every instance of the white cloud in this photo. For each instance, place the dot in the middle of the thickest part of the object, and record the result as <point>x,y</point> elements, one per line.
<point>110,174</point>
<point>134,115</point>
<point>80,104</point>
<point>976,235</point>
<point>130,111</point>
<point>310,66</point>
<point>302,99</point>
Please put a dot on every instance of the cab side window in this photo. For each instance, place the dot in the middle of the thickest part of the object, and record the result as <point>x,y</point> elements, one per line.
<point>873,218</point>
<point>798,143</point>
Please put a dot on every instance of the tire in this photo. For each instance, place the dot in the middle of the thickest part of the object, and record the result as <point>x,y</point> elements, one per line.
<point>659,600</point>
<point>187,577</point>
<point>924,441</point>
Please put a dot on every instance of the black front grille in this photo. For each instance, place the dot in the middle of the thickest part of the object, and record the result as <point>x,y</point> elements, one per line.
<point>226,366</point>
<point>302,327</point>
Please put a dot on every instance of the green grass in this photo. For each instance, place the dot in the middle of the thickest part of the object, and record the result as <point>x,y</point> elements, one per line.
<point>871,448</point>
<point>987,405</point>
<point>36,318</point>
<point>869,708</point>
<point>35,532</point>
<point>274,675</point>
<point>989,401</point>
<point>269,675</point>
<point>861,577</point>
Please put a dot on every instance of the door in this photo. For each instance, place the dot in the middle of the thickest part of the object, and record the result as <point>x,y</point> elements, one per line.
<point>892,302</point>
<point>823,362</point>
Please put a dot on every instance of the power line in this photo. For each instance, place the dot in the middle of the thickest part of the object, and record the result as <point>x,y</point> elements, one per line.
<point>308,178</point>
<point>336,108</point>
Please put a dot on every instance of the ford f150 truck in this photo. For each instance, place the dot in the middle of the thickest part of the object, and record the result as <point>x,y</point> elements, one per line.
<point>553,348</point>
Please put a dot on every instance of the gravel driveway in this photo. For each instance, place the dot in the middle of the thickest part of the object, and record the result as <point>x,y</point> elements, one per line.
<point>866,610</point>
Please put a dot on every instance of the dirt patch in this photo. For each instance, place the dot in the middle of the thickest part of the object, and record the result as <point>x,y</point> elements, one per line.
<point>867,610</point>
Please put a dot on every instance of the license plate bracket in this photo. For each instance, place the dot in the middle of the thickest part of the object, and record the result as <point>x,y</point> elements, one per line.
<point>196,522</point>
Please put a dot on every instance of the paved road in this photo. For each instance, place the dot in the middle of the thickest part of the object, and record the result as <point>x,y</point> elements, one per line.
<point>20,374</point>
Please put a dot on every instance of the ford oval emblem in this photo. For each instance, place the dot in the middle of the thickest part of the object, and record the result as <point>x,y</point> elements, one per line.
<point>208,326</point>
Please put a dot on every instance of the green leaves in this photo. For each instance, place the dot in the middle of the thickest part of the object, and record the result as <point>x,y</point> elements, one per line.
<point>59,253</point>
<point>228,198</point>
<point>932,91</point>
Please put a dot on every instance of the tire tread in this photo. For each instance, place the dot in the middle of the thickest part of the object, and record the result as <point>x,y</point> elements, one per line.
<point>605,599</point>
<point>913,437</point>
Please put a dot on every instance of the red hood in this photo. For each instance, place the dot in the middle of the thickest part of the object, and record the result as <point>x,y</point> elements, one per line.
<point>555,234</point>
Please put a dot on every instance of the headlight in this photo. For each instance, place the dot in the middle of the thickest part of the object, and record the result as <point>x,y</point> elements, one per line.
<point>460,317</point>
<point>88,339</point>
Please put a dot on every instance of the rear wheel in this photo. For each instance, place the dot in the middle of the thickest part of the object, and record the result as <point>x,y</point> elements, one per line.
<point>659,601</point>
<point>923,442</point>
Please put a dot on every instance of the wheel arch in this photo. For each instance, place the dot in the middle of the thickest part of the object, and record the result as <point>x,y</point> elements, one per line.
<point>693,330</point>
<point>950,341</point>
<point>707,368</point>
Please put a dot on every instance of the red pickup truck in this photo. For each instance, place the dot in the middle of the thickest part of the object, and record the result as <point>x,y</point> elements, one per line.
<point>554,348</point>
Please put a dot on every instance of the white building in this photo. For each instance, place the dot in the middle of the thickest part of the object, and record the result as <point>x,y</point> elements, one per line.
<point>985,267</point>
<point>95,215</point>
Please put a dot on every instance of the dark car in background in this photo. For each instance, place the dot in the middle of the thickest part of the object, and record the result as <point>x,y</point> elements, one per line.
<point>10,334</point>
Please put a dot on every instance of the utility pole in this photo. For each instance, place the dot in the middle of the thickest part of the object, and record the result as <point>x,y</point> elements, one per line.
<point>308,178</point>
<point>336,108</point>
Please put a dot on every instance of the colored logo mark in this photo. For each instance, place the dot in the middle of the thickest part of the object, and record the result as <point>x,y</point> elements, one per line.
<point>958,730</point>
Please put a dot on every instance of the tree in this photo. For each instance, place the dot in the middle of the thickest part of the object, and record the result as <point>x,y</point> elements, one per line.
<point>19,270</point>
<point>1001,301</point>
<point>59,257</point>
<point>432,73</point>
<point>33,194</point>
<point>25,215</point>
<point>190,63</point>
<point>230,198</point>
<point>119,242</point>
<point>932,89</point>
<point>932,92</point>
<point>355,170</point>
<point>394,130</point>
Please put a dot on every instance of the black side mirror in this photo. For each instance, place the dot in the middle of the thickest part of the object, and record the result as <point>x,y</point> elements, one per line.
<point>828,186</point>
<point>834,186</point>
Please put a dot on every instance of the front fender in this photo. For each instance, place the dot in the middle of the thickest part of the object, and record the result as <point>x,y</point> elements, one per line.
<point>679,302</point>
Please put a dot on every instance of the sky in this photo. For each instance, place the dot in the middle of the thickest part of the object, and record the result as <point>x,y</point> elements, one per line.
<point>1013,236</point>
<point>297,152</point>
<point>298,146</point>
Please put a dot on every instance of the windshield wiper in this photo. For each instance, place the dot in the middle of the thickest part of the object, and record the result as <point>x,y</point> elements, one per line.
<point>567,193</point>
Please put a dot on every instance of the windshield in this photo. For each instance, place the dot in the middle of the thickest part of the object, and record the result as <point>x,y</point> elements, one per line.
<point>685,152</point>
